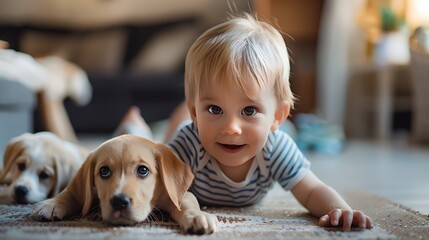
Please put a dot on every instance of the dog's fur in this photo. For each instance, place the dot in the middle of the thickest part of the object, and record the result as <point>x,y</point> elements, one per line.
<point>66,79</point>
<point>38,166</point>
<point>139,175</point>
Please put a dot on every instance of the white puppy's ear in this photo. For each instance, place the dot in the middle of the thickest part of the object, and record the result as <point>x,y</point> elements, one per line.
<point>176,175</point>
<point>66,166</point>
<point>80,192</point>
<point>58,179</point>
<point>13,150</point>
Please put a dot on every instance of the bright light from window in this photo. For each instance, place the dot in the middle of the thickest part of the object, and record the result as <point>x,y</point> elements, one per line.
<point>418,13</point>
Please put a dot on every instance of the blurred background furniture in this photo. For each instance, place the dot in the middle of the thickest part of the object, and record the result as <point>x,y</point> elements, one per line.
<point>420,105</point>
<point>381,89</point>
<point>132,50</point>
<point>299,20</point>
<point>116,59</point>
<point>377,97</point>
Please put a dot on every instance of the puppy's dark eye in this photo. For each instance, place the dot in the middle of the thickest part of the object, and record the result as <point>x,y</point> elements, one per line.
<point>21,166</point>
<point>105,172</point>
<point>142,171</point>
<point>43,175</point>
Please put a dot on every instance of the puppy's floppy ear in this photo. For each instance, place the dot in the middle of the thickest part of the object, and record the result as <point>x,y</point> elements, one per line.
<point>58,178</point>
<point>81,190</point>
<point>64,171</point>
<point>176,175</point>
<point>13,150</point>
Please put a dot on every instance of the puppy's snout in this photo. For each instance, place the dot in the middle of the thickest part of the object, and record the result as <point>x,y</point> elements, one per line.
<point>21,191</point>
<point>120,202</point>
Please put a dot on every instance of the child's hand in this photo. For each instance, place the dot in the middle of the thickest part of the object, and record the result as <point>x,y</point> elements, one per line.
<point>346,218</point>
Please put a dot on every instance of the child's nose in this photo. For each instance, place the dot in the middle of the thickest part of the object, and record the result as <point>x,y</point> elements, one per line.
<point>232,126</point>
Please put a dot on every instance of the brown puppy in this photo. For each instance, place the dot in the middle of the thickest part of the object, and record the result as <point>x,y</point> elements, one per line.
<point>130,176</point>
<point>38,166</point>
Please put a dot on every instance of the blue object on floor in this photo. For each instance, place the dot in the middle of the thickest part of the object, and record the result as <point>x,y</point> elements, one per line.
<point>289,128</point>
<point>317,135</point>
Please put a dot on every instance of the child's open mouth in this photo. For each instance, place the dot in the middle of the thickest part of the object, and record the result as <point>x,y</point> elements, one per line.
<point>232,148</point>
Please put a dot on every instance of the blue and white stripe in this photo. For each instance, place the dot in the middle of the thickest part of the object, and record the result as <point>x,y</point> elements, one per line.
<point>280,160</point>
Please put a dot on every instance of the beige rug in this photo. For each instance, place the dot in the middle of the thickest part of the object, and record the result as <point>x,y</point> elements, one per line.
<point>278,216</point>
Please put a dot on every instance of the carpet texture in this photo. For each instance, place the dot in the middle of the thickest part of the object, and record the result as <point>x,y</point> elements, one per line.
<point>278,216</point>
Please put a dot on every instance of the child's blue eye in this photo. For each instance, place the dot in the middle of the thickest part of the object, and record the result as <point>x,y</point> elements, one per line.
<point>249,111</point>
<point>215,110</point>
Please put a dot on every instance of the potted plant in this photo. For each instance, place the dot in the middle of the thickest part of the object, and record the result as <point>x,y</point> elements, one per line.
<point>393,46</point>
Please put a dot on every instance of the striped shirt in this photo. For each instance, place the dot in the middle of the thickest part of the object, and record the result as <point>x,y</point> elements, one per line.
<point>280,160</point>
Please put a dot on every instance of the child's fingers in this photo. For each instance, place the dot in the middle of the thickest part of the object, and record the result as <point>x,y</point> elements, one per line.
<point>324,221</point>
<point>347,220</point>
<point>359,219</point>
<point>330,219</point>
<point>368,222</point>
<point>335,216</point>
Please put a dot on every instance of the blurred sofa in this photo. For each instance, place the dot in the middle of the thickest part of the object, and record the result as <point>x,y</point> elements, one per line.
<point>127,64</point>
<point>17,104</point>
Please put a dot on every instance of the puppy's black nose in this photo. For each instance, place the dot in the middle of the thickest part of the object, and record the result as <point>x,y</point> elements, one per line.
<point>21,191</point>
<point>120,202</point>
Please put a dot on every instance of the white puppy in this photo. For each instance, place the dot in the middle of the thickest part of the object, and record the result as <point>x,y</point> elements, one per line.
<point>38,166</point>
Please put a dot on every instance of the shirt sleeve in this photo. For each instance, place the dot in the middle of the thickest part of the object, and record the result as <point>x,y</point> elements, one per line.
<point>288,165</point>
<point>185,145</point>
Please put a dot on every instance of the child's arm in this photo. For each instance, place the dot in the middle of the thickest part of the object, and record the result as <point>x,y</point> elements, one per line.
<point>324,202</point>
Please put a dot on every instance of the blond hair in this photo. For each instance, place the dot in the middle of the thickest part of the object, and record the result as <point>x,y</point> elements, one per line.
<point>239,51</point>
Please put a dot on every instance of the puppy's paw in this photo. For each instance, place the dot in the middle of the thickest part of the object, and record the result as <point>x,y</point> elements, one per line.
<point>199,222</point>
<point>48,210</point>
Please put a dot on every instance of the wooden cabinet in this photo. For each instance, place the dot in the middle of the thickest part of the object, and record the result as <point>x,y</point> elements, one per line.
<point>299,20</point>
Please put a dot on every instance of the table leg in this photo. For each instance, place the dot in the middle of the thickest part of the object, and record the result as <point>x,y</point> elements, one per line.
<point>384,104</point>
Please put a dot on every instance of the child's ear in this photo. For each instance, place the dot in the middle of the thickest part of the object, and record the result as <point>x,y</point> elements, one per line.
<point>282,112</point>
<point>193,112</point>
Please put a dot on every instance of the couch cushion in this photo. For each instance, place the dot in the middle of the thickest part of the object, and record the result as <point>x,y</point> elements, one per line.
<point>165,52</point>
<point>14,94</point>
<point>16,111</point>
<point>95,51</point>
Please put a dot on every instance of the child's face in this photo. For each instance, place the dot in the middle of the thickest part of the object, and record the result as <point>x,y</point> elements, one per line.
<point>232,127</point>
